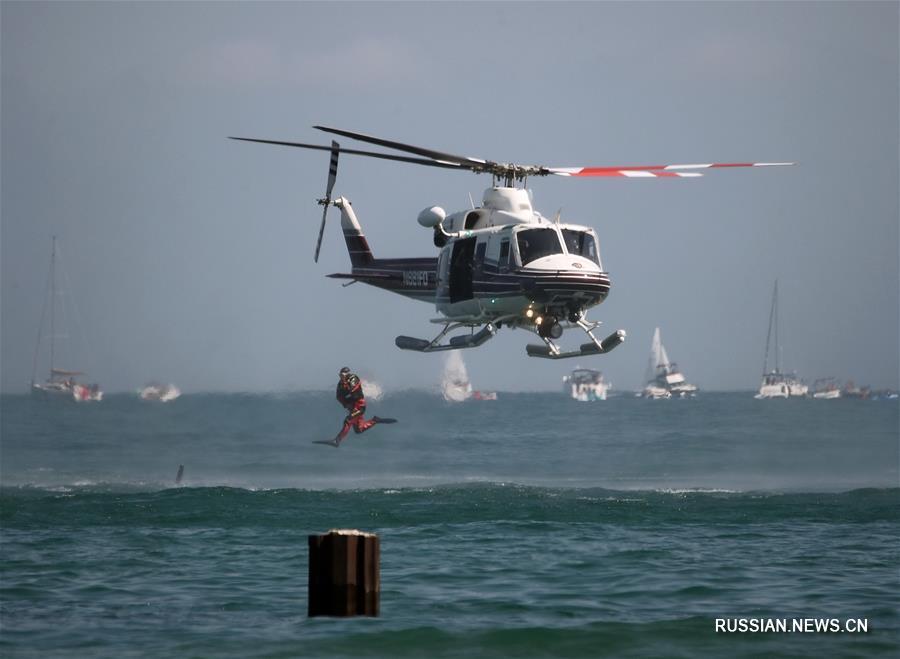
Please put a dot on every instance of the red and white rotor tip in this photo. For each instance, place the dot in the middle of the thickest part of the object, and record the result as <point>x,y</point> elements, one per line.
<point>656,171</point>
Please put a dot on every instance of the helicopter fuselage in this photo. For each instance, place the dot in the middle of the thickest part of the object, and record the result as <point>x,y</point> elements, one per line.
<point>509,269</point>
<point>500,262</point>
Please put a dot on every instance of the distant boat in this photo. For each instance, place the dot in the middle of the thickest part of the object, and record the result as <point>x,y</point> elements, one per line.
<point>663,378</point>
<point>852,391</point>
<point>162,393</point>
<point>776,384</point>
<point>61,382</point>
<point>826,388</point>
<point>585,384</point>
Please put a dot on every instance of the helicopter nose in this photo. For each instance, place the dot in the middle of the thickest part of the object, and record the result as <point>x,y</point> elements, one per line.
<point>568,286</point>
<point>581,264</point>
<point>565,263</point>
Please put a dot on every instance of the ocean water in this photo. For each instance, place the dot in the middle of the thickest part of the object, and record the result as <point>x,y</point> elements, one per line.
<point>532,526</point>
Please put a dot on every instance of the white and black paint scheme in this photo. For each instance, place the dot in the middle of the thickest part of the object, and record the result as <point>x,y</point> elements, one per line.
<point>501,264</point>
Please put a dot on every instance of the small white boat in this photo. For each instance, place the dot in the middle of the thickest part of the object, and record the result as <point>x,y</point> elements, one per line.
<point>775,383</point>
<point>663,378</point>
<point>826,389</point>
<point>61,382</point>
<point>585,384</point>
<point>162,393</point>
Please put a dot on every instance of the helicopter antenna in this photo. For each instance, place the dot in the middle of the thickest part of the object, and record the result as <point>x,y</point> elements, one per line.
<point>326,200</point>
<point>558,213</point>
<point>471,201</point>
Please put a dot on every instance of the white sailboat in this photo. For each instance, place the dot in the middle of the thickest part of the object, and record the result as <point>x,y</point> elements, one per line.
<point>663,378</point>
<point>586,384</point>
<point>61,382</point>
<point>776,384</point>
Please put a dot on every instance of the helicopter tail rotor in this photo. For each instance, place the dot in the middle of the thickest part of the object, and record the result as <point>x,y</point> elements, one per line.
<point>326,200</point>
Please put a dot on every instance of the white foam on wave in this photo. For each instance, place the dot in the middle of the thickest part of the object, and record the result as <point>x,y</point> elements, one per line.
<point>697,490</point>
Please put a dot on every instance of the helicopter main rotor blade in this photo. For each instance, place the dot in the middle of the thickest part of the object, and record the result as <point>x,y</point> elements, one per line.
<point>654,171</point>
<point>355,152</point>
<point>332,177</point>
<point>464,161</point>
<point>510,171</point>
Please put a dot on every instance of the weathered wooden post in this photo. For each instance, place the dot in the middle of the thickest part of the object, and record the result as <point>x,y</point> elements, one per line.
<point>344,578</point>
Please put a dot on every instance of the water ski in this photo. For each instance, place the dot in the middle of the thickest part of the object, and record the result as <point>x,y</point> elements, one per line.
<point>330,442</point>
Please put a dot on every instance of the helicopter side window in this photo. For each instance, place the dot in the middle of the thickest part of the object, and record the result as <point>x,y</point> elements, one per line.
<point>581,243</point>
<point>503,261</point>
<point>479,255</point>
<point>537,243</point>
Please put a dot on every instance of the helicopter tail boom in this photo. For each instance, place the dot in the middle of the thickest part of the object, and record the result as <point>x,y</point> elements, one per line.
<point>357,245</point>
<point>415,278</point>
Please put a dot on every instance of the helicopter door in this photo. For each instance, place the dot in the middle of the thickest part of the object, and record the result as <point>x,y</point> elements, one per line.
<point>461,269</point>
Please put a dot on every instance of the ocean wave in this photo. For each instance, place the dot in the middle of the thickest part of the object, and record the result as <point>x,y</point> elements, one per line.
<point>462,503</point>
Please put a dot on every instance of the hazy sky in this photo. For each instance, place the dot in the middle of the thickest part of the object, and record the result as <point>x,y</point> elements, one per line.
<point>189,256</point>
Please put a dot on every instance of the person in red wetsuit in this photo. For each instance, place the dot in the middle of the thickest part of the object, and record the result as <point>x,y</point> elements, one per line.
<point>350,395</point>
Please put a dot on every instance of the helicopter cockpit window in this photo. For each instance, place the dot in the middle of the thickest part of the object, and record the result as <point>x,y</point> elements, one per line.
<point>536,243</point>
<point>581,243</point>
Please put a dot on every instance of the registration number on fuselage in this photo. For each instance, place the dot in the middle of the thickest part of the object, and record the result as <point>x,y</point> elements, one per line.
<point>415,278</point>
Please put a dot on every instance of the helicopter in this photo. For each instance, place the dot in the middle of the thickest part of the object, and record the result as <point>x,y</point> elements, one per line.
<point>501,264</point>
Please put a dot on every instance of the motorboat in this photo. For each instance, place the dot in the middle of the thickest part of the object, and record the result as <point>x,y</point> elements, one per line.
<point>586,384</point>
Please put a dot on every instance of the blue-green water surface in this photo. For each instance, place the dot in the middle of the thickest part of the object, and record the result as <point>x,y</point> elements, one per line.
<point>532,526</point>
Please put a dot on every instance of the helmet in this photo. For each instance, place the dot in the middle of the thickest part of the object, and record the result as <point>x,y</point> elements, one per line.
<point>344,371</point>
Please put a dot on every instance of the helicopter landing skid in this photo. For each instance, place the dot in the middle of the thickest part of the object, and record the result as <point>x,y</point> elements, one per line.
<point>455,343</point>
<point>596,347</point>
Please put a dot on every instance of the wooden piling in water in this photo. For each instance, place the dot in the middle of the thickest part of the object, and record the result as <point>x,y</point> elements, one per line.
<point>344,574</point>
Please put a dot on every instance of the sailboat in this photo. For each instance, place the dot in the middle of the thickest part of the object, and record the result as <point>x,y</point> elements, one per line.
<point>776,384</point>
<point>61,382</point>
<point>663,378</point>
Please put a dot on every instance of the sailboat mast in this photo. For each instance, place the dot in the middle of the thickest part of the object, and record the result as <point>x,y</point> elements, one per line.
<point>777,348</point>
<point>52,302</point>
<point>772,316</point>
